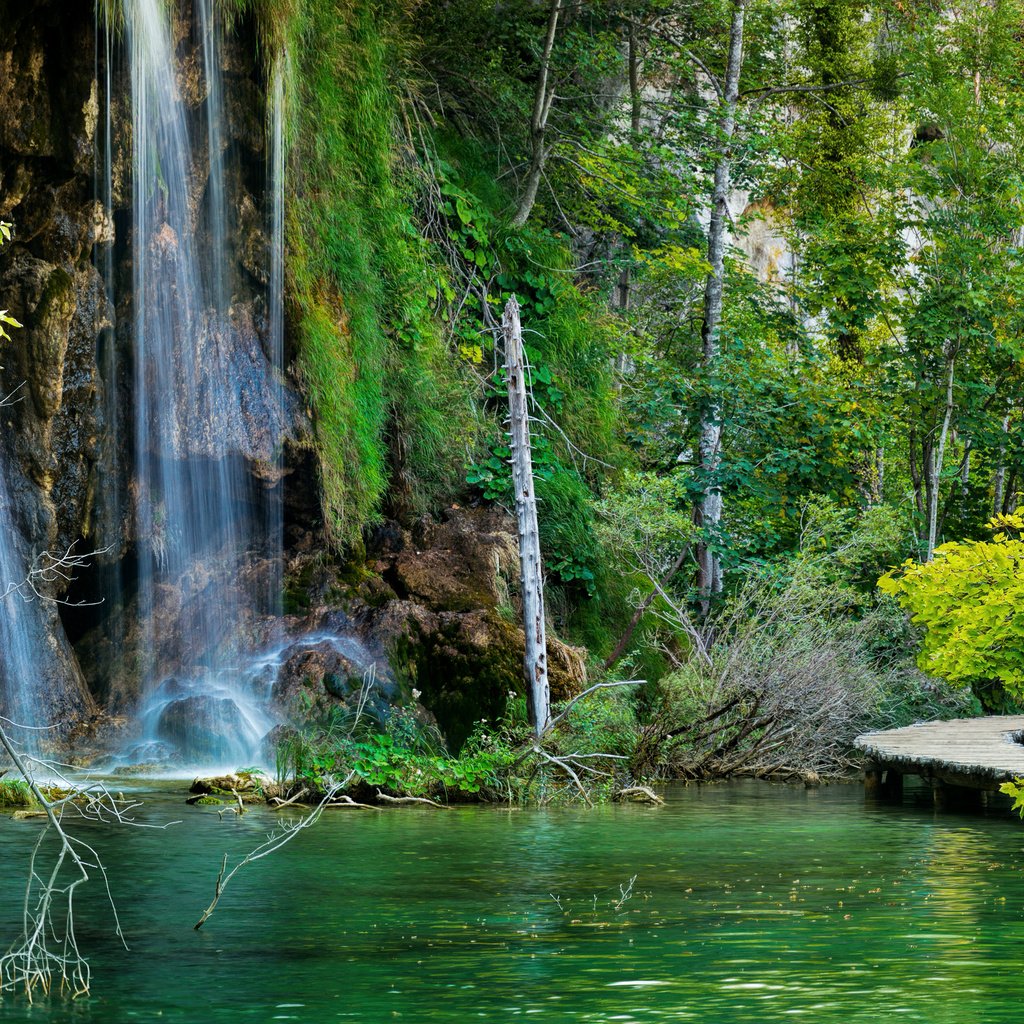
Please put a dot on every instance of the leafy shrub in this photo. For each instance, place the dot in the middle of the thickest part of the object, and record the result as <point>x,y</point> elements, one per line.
<point>970,601</point>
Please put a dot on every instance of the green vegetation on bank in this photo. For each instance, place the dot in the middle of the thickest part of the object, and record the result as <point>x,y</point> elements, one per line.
<point>866,371</point>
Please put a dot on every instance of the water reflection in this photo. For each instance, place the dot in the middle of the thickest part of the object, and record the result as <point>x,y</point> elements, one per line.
<point>750,903</point>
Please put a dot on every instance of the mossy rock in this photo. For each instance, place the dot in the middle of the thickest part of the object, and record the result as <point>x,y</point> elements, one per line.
<point>205,801</point>
<point>465,670</point>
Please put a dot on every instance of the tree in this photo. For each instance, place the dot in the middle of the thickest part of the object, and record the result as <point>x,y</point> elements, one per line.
<point>970,601</point>
<point>708,509</point>
<point>535,657</point>
<point>544,97</point>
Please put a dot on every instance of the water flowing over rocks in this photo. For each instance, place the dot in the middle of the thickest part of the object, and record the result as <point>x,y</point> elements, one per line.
<point>153,423</point>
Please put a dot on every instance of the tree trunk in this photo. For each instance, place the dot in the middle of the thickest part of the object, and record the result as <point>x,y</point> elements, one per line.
<point>535,663</point>
<point>935,464</point>
<point>915,470</point>
<point>544,97</point>
<point>635,97</point>
<point>999,486</point>
<point>708,511</point>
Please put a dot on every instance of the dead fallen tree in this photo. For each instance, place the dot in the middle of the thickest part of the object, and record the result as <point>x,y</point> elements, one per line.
<point>782,693</point>
<point>45,957</point>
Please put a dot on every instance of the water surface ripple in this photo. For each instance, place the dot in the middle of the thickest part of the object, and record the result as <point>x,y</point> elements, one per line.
<point>751,903</point>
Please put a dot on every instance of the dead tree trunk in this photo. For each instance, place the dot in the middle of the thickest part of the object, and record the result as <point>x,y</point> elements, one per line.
<point>999,485</point>
<point>708,510</point>
<point>535,660</point>
<point>544,97</point>
<point>936,460</point>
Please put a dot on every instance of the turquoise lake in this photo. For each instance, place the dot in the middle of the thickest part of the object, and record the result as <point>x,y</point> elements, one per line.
<point>749,902</point>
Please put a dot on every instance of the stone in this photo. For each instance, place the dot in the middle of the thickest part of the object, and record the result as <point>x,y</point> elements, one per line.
<point>202,728</point>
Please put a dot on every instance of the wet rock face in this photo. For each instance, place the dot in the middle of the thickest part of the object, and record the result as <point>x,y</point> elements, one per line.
<point>321,672</point>
<point>48,447</point>
<point>47,125</point>
<point>205,726</point>
<point>442,604</point>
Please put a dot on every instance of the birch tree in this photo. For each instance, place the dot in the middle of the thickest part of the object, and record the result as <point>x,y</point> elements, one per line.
<point>543,99</point>
<point>708,509</point>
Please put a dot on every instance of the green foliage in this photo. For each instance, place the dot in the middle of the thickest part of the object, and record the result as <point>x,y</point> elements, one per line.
<point>408,757</point>
<point>15,794</point>
<point>388,405</point>
<point>970,602</point>
<point>1015,789</point>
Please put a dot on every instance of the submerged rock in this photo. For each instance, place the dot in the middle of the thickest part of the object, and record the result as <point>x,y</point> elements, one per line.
<point>203,728</point>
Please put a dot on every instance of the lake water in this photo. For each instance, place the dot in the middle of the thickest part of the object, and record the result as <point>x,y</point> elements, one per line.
<point>751,903</point>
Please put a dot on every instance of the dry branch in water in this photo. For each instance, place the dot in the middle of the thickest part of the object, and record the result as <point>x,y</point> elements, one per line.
<point>409,800</point>
<point>46,954</point>
<point>274,842</point>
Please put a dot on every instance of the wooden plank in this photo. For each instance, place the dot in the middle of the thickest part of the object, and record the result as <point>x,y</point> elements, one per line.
<point>971,753</point>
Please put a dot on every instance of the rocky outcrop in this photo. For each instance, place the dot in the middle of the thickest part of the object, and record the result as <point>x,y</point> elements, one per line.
<point>439,601</point>
<point>50,445</point>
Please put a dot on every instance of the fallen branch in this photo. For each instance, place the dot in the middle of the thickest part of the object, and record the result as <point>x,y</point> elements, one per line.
<point>274,843</point>
<point>47,949</point>
<point>280,804</point>
<point>409,800</point>
<point>347,801</point>
<point>638,794</point>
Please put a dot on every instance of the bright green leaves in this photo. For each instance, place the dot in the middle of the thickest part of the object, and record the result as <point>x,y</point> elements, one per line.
<point>970,601</point>
<point>1015,789</point>
<point>5,322</point>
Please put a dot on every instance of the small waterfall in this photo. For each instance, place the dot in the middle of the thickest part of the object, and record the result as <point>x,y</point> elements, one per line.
<point>21,700</point>
<point>275,299</point>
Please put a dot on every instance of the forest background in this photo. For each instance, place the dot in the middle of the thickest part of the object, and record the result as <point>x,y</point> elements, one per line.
<point>769,259</point>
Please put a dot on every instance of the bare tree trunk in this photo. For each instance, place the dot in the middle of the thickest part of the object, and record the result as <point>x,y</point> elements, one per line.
<point>535,662</point>
<point>999,486</point>
<point>708,511</point>
<point>635,97</point>
<point>544,97</point>
<point>935,464</point>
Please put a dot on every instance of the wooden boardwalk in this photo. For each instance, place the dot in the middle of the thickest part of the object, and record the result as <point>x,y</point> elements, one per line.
<point>974,754</point>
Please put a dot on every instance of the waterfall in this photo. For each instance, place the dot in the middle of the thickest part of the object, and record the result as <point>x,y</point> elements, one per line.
<point>275,304</point>
<point>20,679</point>
<point>198,386</point>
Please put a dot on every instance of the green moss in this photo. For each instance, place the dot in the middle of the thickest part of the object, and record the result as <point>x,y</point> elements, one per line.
<point>463,681</point>
<point>384,396</point>
<point>16,795</point>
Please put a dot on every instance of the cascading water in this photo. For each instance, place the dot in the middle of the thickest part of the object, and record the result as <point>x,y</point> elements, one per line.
<point>40,688</point>
<point>20,680</point>
<point>200,518</point>
<point>275,305</point>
